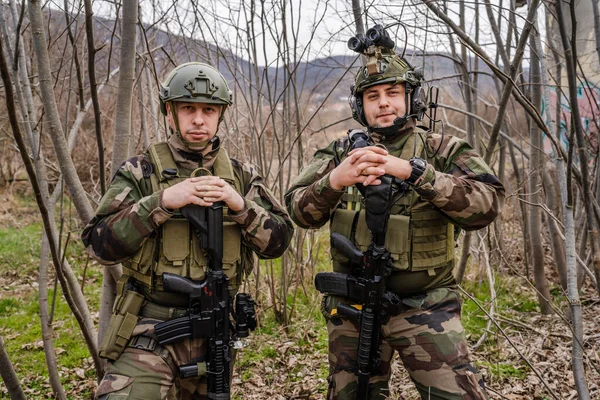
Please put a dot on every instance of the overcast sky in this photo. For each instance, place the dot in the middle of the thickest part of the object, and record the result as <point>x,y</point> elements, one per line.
<point>322,26</point>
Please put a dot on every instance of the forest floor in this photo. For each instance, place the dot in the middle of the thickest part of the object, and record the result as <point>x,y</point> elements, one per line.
<point>525,355</point>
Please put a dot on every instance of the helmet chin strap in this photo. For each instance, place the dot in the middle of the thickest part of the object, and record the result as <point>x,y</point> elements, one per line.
<point>392,129</point>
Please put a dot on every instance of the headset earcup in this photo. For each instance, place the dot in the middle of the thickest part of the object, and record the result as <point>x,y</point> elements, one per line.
<point>357,110</point>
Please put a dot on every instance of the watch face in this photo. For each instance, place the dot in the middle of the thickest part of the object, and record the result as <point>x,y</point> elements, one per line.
<point>419,162</point>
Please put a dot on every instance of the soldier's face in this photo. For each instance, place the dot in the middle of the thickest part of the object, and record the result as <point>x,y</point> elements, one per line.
<point>198,122</point>
<point>384,103</point>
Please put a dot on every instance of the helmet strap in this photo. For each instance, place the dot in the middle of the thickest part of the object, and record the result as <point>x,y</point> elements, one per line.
<point>392,129</point>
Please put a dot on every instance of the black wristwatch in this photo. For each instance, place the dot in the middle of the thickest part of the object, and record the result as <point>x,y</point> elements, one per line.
<point>418,168</point>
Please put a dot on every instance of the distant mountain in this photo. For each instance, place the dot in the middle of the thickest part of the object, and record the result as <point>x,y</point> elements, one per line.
<point>315,78</point>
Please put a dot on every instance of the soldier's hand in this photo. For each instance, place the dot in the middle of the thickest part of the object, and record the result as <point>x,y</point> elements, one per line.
<point>361,166</point>
<point>202,191</point>
<point>385,162</point>
<point>212,189</point>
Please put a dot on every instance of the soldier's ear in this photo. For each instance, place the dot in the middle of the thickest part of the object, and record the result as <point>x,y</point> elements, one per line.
<point>170,114</point>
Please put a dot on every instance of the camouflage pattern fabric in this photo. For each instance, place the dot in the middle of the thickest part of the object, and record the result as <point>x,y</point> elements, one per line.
<point>129,212</point>
<point>459,183</point>
<point>151,373</point>
<point>429,339</point>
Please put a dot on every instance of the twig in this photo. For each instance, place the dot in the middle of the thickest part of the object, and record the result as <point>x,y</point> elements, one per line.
<point>539,375</point>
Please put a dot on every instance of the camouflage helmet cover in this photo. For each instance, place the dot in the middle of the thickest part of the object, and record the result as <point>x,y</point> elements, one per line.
<point>385,68</point>
<point>197,83</point>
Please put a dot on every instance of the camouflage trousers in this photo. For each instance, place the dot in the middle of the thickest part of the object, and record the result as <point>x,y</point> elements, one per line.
<point>430,340</point>
<point>146,370</point>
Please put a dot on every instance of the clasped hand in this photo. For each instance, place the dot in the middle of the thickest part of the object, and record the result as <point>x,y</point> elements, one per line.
<point>365,165</point>
<point>202,191</point>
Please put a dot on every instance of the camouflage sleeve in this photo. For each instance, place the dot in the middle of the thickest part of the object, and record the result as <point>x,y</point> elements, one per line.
<point>461,184</point>
<point>266,227</point>
<point>311,199</point>
<point>125,217</point>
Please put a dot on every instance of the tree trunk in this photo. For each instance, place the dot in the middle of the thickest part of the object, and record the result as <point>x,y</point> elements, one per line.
<point>47,329</point>
<point>8,374</point>
<point>78,195</point>
<point>553,201</point>
<point>535,165</point>
<point>572,292</point>
<point>121,137</point>
<point>125,88</point>
<point>89,29</point>
<point>596,12</point>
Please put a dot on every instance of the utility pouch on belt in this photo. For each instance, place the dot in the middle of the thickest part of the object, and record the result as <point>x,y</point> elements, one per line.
<point>121,324</point>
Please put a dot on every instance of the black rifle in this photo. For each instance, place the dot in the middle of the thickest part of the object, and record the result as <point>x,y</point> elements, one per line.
<point>209,305</point>
<point>366,285</point>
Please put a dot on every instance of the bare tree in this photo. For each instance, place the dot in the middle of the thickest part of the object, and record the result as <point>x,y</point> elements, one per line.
<point>535,166</point>
<point>7,371</point>
<point>122,132</point>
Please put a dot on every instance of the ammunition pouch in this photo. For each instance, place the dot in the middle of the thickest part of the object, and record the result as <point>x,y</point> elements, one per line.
<point>422,241</point>
<point>121,325</point>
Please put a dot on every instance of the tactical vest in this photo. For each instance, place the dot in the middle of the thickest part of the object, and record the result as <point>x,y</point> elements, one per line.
<point>175,247</point>
<point>419,237</point>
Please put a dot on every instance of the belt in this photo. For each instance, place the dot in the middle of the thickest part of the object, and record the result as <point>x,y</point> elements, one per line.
<point>155,311</point>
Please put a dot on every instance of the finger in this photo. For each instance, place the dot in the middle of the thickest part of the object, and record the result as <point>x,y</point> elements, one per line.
<point>373,171</point>
<point>374,149</point>
<point>372,180</point>
<point>202,202</point>
<point>207,188</point>
<point>364,165</point>
<point>215,194</point>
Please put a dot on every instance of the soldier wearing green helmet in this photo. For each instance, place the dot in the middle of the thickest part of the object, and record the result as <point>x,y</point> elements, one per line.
<point>140,223</point>
<point>439,186</point>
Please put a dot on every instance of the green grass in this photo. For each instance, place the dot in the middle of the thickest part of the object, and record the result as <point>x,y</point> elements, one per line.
<point>20,326</point>
<point>506,370</point>
<point>20,248</point>
<point>22,334</point>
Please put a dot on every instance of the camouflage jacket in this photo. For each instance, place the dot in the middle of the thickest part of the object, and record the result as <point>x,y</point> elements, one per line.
<point>129,212</point>
<point>456,181</point>
<point>464,188</point>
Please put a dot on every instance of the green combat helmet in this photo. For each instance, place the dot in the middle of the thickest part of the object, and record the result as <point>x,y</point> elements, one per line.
<point>196,83</point>
<point>384,66</point>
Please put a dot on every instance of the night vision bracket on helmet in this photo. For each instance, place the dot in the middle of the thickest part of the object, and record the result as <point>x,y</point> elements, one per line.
<point>384,66</point>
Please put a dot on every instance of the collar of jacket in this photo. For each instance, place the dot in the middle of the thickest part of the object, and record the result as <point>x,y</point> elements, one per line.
<point>191,160</point>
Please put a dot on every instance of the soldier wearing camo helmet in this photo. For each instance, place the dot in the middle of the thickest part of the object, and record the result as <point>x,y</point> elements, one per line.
<point>138,224</point>
<point>450,188</point>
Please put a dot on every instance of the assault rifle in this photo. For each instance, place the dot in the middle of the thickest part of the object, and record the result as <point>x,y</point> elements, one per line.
<point>210,305</point>
<point>366,285</point>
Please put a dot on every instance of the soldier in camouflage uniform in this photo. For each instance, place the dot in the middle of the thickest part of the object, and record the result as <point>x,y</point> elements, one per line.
<point>138,224</point>
<point>450,188</point>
